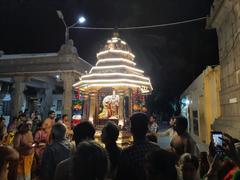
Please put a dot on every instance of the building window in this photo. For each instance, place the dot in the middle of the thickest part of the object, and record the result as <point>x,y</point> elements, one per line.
<point>195,123</point>
<point>59,105</point>
<point>6,108</point>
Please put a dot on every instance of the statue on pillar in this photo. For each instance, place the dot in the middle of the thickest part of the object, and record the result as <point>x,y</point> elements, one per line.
<point>68,48</point>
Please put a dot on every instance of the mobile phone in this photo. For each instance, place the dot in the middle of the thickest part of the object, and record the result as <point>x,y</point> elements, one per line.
<point>217,141</point>
<point>216,138</point>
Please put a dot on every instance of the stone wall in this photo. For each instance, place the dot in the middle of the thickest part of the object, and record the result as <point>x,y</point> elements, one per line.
<point>225,17</point>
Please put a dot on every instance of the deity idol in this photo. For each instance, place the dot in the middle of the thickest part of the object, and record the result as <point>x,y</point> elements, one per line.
<point>114,106</point>
<point>110,107</point>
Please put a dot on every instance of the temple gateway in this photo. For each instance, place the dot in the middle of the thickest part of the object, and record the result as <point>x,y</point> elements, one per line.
<point>114,88</point>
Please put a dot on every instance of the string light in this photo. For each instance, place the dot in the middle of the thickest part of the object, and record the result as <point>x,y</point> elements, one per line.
<point>114,60</point>
<point>123,42</point>
<point>113,80</point>
<point>114,40</point>
<point>117,84</point>
<point>114,74</point>
<point>116,67</point>
<point>115,51</point>
<point>113,84</point>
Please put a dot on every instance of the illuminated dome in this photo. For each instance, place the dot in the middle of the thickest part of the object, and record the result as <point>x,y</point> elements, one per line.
<point>115,68</point>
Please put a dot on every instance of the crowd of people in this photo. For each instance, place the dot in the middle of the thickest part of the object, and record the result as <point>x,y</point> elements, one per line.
<point>53,149</point>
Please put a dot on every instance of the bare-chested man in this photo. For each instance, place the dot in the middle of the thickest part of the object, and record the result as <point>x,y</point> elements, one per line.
<point>49,122</point>
<point>66,122</point>
<point>8,155</point>
<point>170,131</point>
<point>182,142</point>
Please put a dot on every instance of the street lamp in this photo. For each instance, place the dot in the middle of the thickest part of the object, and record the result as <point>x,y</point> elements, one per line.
<point>81,20</point>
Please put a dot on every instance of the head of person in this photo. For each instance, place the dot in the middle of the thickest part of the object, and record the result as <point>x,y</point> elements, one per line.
<point>152,119</point>
<point>58,132</point>
<point>26,111</point>
<point>152,137</point>
<point>224,167</point>
<point>51,114</point>
<point>23,128</point>
<point>172,121</point>
<point>13,122</point>
<point>160,164</point>
<point>181,125</point>
<point>58,120</point>
<point>7,154</point>
<point>39,125</point>
<point>90,161</point>
<point>189,166</point>
<point>64,117</point>
<point>14,119</point>
<point>36,113</point>
<point>23,117</point>
<point>139,125</point>
<point>110,133</point>
<point>29,124</point>
<point>83,131</point>
<point>20,113</point>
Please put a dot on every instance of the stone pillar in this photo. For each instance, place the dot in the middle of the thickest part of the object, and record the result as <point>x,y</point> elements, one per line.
<point>68,81</point>
<point>47,102</point>
<point>86,107</point>
<point>130,102</point>
<point>96,107</point>
<point>18,95</point>
<point>92,108</point>
<point>121,110</point>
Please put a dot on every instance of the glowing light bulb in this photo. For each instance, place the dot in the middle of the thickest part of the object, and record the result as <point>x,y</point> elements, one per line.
<point>81,19</point>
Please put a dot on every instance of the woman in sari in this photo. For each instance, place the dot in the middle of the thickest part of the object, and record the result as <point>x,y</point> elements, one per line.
<point>23,143</point>
<point>41,138</point>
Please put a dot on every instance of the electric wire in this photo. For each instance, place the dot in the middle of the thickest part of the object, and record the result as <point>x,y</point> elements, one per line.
<point>142,27</point>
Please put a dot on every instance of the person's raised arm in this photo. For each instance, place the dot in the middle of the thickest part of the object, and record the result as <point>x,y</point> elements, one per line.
<point>164,133</point>
<point>230,149</point>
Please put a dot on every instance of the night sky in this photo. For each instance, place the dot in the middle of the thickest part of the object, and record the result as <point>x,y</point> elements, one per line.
<point>172,56</point>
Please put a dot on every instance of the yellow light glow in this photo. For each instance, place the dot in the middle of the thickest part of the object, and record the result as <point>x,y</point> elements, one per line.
<point>113,80</point>
<point>118,84</point>
<point>113,84</point>
<point>123,42</point>
<point>121,122</point>
<point>116,67</point>
<point>144,91</point>
<point>116,51</point>
<point>114,74</point>
<point>91,119</point>
<point>114,60</point>
<point>114,40</point>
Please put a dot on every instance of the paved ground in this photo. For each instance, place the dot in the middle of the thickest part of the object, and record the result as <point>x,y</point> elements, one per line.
<point>164,142</point>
